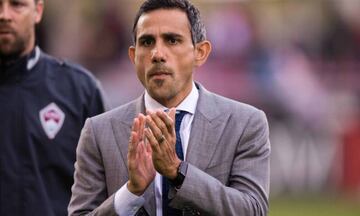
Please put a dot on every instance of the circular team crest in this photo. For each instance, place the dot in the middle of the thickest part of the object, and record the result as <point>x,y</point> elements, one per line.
<point>52,119</point>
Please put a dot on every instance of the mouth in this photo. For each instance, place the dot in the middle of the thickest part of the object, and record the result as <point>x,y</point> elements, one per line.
<point>4,30</point>
<point>159,75</point>
<point>5,33</point>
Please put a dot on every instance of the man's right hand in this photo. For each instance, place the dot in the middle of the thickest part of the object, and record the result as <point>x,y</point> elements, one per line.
<point>140,165</point>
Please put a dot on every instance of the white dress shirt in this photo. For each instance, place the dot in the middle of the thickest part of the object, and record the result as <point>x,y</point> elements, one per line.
<point>127,203</point>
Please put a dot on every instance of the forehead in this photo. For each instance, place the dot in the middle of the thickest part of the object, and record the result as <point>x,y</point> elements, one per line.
<point>164,21</point>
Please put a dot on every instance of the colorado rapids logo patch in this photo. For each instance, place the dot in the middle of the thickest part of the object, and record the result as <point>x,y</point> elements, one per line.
<point>52,119</point>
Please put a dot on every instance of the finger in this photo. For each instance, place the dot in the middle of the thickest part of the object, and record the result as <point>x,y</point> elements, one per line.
<point>166,119</point>
<point>135,126</point>
<point>159,123</point>
<point>132,152</point>
<point>141,126</point>
<point>134,138</point>
<point>134,135</point>
<point>152,140</point>
<point>171,114</point>
<point>156,131</point>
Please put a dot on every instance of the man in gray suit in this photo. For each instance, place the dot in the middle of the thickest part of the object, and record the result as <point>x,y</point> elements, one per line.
<point>178,149</point>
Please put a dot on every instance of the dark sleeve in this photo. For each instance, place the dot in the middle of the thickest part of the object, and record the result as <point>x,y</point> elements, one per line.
<point>93,98</point>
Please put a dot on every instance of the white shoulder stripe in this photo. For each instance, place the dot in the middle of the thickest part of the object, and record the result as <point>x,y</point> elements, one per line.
<point>32,62</point>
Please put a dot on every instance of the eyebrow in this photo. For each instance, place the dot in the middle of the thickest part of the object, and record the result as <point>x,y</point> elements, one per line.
<point>145,37</point>
<point>163,35</point>
<point>171,35</point>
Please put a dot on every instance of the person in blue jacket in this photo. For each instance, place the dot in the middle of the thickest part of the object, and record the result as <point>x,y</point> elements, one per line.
<point>44,103</point>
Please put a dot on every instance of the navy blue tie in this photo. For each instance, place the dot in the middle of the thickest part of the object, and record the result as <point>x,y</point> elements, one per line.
<point>165,183</point>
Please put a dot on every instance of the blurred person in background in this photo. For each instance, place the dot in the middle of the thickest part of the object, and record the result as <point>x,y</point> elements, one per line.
<point>44,104</point>
<point>178,149</point>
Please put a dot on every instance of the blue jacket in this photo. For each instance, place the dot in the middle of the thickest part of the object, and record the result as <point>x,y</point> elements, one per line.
<point>44,103</point>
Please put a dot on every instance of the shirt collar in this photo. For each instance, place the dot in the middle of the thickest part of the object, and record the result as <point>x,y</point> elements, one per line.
<point>17,68</point>
<point>188,104</point>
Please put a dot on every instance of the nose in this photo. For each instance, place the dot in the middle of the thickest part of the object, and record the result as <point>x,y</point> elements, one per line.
<point>4,12</point>
<point>158,54</point>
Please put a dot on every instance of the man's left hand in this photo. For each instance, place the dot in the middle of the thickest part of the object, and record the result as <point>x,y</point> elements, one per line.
<point>162,138</point>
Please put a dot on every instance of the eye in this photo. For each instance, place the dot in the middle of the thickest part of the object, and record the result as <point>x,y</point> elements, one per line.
<point>17,3</point>
<point>173,41</point>
<point>147,42</point>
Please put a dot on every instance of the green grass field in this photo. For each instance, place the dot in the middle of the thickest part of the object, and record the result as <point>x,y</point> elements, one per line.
<point>314,206</point>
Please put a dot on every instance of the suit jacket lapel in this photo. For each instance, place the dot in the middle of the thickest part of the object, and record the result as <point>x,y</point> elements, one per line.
<point>206,130</point>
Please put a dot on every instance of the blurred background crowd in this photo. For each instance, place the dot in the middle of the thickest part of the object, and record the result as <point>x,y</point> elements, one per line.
<point>298,60</point>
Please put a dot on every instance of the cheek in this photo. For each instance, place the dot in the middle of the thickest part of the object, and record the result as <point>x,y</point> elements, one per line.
<point>140,58</point>
<point>26,27</point>
<point>141,76</point>
<point>187,53</point>
<point>186,61</point>
<point>140,70</point>
<point>140,67</point>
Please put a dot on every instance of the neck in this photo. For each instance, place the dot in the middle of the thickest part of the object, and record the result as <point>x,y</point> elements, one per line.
<point>176,100</point>
<point>9,60</point>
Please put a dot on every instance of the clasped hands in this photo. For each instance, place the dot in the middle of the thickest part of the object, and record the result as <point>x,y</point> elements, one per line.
<point>152,148</point>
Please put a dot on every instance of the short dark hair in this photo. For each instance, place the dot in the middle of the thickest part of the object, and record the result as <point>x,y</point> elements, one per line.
<point>198,31</point>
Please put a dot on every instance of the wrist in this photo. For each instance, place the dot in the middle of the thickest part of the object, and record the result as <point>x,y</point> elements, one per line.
<point>181,174</point>
<point>174,171</point>
<point>134,190</point>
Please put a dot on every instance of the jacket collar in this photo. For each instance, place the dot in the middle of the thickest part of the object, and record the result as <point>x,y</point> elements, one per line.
<point>15,69</point>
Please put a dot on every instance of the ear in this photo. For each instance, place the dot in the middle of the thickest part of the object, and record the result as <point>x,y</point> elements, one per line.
<point>131,53</point>
<point>39,7</point>
<point>202,52</point>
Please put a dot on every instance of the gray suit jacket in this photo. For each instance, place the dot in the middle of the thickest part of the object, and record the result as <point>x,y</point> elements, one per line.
<point>228,156</point>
